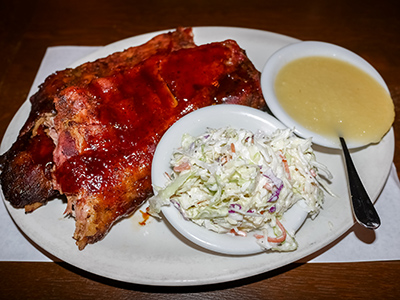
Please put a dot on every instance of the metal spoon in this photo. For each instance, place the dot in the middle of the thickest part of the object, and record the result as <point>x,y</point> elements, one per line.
<point>363,209</point>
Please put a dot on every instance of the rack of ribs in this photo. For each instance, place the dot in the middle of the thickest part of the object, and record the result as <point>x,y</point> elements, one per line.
<point>92,130</point>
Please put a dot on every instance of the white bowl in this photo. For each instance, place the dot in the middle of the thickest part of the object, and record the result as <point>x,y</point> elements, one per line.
<point>303,49</point>
<point>196,123</point>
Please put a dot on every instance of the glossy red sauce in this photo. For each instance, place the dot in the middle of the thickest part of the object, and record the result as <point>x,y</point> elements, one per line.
<point>133,108</point>
<point>41,149</point>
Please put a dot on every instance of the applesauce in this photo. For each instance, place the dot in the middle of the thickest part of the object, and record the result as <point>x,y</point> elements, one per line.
<point>334,98</point>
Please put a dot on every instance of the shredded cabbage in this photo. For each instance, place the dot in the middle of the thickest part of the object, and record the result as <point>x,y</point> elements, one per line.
<point>235,182</point>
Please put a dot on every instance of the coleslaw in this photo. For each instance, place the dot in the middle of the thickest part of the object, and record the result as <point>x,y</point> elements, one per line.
<point>238,182</point>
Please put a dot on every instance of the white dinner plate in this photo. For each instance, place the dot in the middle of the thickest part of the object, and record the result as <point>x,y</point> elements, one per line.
<point>155,254</point>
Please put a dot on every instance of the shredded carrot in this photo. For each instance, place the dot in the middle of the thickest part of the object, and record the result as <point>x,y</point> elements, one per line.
<point>233,149</point>
<point>238,232</point>
<point>285,164</point>
<point>182,167</point>
<point>268,187</point>
<point>281,238</point>
<point>225,159</point>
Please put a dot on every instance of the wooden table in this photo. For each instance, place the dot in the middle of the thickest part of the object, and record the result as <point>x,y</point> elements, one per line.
<point>27,28</point>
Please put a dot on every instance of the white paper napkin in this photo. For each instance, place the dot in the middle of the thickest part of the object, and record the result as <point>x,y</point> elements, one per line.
<point>358,244</point>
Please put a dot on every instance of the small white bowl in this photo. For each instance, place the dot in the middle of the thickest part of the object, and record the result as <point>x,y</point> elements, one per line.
<point>196,123</point>
<point>304,49</point>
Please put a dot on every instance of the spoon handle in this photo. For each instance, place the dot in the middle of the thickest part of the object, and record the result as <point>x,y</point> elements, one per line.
<point>363,209</point>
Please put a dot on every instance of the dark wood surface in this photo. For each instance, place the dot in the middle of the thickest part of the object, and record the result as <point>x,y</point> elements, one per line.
<point>27,28</point>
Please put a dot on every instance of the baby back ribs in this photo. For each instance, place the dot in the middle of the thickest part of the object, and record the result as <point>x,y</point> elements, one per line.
<point>93,130</point>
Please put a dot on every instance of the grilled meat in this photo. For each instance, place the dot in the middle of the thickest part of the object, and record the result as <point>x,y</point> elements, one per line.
<point>93,130</point>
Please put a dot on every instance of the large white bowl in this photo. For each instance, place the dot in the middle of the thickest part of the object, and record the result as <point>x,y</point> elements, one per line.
<point>196,123</point>
<point>304,49</point>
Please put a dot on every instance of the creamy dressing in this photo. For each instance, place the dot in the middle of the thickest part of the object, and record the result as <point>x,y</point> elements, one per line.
<point>331,97</point>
